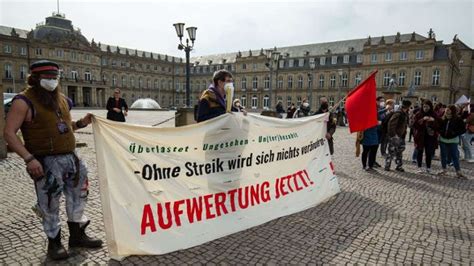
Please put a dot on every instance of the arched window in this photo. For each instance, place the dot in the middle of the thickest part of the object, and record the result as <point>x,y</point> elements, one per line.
<point>290,82</point>
<point>254,102</point>
<point>401,78</point>
<point>243,100</point>
<point>344,79</point>
<point>280,82</point>
<point>333,81</point>
<point>298,100</point>
<point>266,101</point>
<point>358,78</point>
<point>288,101</point>
<point>321,81</point>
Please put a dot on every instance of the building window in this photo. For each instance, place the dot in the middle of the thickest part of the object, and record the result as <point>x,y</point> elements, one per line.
<point>244,83</point>
<point>322,61</point>
<point>403,56</point>
<point>301,62</point>
<point>155,84</point>
<point>255,83</point>
<point>417,78</point>
<point>38,51</point>
<point>280,82</point>
<point>254,66</point>
<point>388,56</point>
<point>290,82</point>
<point>435,81</point>
<point>346,59</point>
<point>132,82</point>
<point>298,100</point>
<point>300,82</point>
<point>254,102</point>
<point>358,78</point>
<point>244,66</point>
<point>8,71</point>
<point>87,76</point>
<point>148,84</point>
<point>59,53</point>
<point>331,101</point>
<point>401,78</point>
<point>9,90</point>
<point>266,101</point>
<point>359,58</point>
<point>310,80</point>
<point>419,54</point>
<point>374,58</point>
<point>74,75</point>
<point>243,100</point>
<point>176,86</point>
<point>22,72</point>
<point>22,50</point>
<point>266,82</point>
<point>114,81</point>
<point>7,49</point>
<point>282,63</point>
<point>288,101</point>
<point>291,63</point>
<point>332,81</point>
<point>140,83</point>
<point>124,81</point>
<point>386,79</point>
<point>334,60</point>
<point>321,81</point>
<point>344,80</point>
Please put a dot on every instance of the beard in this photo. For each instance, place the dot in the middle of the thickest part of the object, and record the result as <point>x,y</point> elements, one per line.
<point>49,99</point>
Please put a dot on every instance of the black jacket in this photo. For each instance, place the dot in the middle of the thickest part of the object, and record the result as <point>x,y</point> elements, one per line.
<point>451,128</point>
<point>111,114</point>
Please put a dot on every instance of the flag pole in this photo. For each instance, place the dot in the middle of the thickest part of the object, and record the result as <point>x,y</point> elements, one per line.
<point>351,91</point>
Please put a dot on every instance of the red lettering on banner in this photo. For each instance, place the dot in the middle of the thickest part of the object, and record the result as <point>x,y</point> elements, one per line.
<point>220,203</point>
<point>147,219</point>
<point>208,206</point>
<point>177,212</point>
<point>161,221</point>
<point>194,209</point>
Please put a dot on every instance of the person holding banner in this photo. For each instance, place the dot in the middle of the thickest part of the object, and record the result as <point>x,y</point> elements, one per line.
<point>237,107</point>
<point>42,113</point>
<point>213,102</point>
<point>331,125</point>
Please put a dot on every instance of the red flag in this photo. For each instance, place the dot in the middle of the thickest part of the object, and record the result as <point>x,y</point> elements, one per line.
<point>361,106</point>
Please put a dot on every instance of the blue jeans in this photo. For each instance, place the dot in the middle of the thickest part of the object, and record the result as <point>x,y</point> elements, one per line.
<point>466,139</point>
<point>450,149</point>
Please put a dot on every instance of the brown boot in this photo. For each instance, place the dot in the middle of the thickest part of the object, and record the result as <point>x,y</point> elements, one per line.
<point>56,250</point>
<point>78,237</point>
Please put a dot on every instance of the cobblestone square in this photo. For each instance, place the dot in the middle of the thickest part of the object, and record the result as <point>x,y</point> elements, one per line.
<point>378,218</point>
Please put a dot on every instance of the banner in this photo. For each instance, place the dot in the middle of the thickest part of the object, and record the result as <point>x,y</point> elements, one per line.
<point>166,189</point>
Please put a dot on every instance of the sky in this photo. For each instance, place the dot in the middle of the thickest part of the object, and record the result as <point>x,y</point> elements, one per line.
<point>230,26</point>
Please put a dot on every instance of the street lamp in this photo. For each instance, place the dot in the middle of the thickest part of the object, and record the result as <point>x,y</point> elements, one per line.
<point>187,49</point>
<point>340,86</point>
<point>312,65</point>
<point>272,64</point>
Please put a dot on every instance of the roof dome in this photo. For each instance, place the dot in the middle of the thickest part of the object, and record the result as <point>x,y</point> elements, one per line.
<point>57,28</point>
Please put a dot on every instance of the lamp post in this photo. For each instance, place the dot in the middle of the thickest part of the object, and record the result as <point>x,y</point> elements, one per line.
<point>187,49</point>
<point>312,65</point>
<point>272,64</point>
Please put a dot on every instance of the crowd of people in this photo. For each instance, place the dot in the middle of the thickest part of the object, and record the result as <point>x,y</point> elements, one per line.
<point>432,127</point>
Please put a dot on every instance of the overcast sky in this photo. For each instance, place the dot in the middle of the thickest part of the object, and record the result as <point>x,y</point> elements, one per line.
<point>228,26</point>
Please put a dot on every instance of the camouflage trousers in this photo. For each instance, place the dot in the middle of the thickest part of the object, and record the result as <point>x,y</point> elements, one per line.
<point>61,178</point>
<point>396,146</point>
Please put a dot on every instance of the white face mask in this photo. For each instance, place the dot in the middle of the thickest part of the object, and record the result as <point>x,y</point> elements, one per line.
<point>382,104</point>
<point>49,84</point>
<point>305,104</point>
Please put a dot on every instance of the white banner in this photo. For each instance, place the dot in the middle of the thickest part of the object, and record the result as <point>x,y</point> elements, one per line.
<point>166,189</point>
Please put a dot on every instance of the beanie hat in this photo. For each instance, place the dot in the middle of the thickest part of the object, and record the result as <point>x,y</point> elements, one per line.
<point>44,67</point>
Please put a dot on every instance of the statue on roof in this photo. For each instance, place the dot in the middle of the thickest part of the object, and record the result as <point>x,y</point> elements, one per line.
<point>261,51</point>
<point>118,50</point>
<point>397,37</point>
<point>239,54</point>
<point>431,34</point>
<point>13,33</point>
<point>413,37</point>
<point>126,52</point>
<point>369,41</point>
<point>382,40</point>
<point>250,52</point>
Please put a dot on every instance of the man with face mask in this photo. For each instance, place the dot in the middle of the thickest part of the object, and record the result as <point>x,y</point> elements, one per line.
<point>43,115</point>
<point>213,100</point>
<point>304,109</point>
